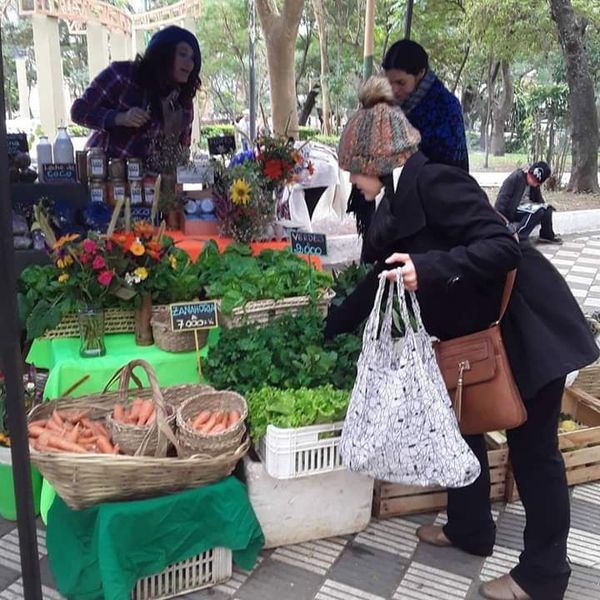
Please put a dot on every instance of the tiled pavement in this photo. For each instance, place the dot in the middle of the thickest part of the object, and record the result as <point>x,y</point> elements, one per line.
<point>386,562</point>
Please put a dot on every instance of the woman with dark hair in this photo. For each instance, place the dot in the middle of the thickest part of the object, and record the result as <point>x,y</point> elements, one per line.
<point>455,251</point>
<point>427,104</point>
<point>132,103</point>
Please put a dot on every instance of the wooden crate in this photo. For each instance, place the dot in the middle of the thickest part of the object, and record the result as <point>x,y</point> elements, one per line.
<point>580,449</point>
<point>395,500</point>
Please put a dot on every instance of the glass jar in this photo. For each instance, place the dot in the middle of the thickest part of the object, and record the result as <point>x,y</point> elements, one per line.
<point>116,169</point>
<point>149,188</point>
<point>91,332</point>
<point>135,171</point>
<point>116,191</point>
<point>96,165</point>
<point>135,193</point>
<point>97,191</point>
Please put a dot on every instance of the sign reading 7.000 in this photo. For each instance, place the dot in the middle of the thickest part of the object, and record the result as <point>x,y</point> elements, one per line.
<point>187,316</point>
<point>309,243</point>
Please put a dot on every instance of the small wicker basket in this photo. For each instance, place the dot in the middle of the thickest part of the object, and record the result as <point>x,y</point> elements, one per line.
<point>173,341</point>
<point>193,442</point>
<point>262,312</point>
<point>116,320</point>
<point>143,440</point>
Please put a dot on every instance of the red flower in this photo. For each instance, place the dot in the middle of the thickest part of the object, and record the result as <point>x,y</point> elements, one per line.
<point>90,246</point>
<point>105,278</point>
<point>84,259</point>
<point>273,169</point>
<point>99,263</point>
<point>109,245</point>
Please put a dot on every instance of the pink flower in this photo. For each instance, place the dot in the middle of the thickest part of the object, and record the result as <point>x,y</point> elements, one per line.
<point>99,263</point>
<point>109,245</point>
<point>90,246</point>
<point>84,259</point>
<point>105,278</point>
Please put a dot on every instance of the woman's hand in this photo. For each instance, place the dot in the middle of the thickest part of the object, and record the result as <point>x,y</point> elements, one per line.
<point>409,273</point>
<point>134,117</point>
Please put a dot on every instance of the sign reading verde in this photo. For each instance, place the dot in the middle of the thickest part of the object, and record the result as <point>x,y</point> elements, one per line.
<point>309,243</point>
<point>187,316</point>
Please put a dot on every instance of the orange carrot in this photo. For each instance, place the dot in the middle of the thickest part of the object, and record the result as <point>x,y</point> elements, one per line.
<point>152,417</point>
<point>35,431</point>
<point>52,425</point>
<point>135,408</point>
<point>145,411</point>
<point>119,414</point>
<point>234,417</point>
<point>209,424</point>
<point>104,446</point>
<point>201,419</point>
<point>218,428</point>
<point>59,443</point>
<point>73,434</point>
<point>57,418</point>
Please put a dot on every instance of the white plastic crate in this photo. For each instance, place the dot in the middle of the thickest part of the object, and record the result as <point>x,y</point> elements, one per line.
<point>202,571</point>
<point>291,453</point>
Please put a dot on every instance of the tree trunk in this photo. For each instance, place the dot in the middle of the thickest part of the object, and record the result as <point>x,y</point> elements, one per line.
<point>584,118</point>
<point>280,28</point>
<point>502,111</point>
<point>309,104</point>
<point>325,98</point>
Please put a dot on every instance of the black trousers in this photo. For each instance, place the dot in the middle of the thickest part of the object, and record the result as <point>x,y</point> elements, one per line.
<point>543,571</point>
<point>529,221</point>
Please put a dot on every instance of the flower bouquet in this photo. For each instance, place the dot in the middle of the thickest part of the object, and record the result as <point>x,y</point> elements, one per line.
<point>281,162</point>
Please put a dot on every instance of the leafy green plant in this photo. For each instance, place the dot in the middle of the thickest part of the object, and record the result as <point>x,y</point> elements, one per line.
<point>288,353</point>
<point>295,408</point>
<point>175,278</point>
<point>346,280</point>
<point>236,277</point>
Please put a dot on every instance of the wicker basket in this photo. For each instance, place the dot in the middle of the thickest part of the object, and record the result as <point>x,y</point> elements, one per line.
<point>83,480</point>
<point>173,341</point>
<point>143,440</point>
<point>261,312</point>
<point>116,320</point>
<point>192,442</point>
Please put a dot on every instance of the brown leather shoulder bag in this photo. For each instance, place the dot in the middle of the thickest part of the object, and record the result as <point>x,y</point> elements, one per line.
<point>479,379</point>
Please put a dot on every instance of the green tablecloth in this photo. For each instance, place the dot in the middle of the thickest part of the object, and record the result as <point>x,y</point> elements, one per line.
<point>100,553</point>
<point>61,357</point>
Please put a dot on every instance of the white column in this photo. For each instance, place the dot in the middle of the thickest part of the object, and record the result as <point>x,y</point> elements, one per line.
<point>139,41</point>
<point>97,48</point>
<point>189,23</point>
<point>120,46</point>
<point>46,46</point>
<point>21,63</point>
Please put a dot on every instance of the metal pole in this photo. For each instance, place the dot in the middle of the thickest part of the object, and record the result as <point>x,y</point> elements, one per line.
<point>408,19</point>
<point>368,47</point>
<point>10,358</point>
<point>252,67</point>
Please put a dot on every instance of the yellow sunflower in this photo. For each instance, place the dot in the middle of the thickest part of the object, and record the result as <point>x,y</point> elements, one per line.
<point>66,239</point>
<point>142,273</point>
<point>173,262</point>
<point>240,191</point>
<point>64,262</point>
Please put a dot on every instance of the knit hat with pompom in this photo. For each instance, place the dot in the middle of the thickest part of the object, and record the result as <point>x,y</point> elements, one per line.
<point>378,137</point>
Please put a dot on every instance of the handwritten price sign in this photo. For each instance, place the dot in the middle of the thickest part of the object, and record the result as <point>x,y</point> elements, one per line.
<point>314,244</point>
<point>187,316</point>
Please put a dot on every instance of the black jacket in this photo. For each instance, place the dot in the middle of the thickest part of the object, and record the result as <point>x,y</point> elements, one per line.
<point>462,251</point>
<point>511,194</point>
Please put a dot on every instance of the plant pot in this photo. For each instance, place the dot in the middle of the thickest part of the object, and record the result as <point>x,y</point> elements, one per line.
<point>143,327</point>
<point>8,504</point>
<point>91,332</point>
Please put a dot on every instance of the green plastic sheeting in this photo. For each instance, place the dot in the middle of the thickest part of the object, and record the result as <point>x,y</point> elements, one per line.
<point>101,552</point>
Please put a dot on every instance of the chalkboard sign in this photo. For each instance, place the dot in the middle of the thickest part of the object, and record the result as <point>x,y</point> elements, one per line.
<point>309,243</point>
<point>17,142</point>
<point>60,173</point>
<point>187,316</point>
<point>222,144</point>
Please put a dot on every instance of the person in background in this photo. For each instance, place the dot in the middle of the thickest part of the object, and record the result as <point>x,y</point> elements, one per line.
<point>428,105</point>
<point>132,103</point>
<point>455,251</point>
<point>242,128</point>
<point>520,201</point>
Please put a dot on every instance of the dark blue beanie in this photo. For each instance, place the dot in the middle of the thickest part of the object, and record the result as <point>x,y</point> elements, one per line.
<point>174,35</point>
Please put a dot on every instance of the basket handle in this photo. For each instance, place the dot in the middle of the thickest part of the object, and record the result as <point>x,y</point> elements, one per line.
<point>116,376</point>
<point>160,422</point>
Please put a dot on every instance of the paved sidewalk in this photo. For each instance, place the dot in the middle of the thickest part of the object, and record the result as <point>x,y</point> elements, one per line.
<point>386,562</point>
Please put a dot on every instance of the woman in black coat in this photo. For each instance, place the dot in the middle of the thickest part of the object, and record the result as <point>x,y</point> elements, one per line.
<point>456,251</point>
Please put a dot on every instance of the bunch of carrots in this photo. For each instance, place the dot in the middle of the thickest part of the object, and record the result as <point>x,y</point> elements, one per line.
<point>141,412</point>
<point>214,422</point>
<point>70,431</point>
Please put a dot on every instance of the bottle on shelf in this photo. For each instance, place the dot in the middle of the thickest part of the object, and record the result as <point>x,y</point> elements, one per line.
<point>63,147</point>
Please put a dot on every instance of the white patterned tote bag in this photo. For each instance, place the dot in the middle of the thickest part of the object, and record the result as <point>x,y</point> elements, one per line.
<point>400,424</point>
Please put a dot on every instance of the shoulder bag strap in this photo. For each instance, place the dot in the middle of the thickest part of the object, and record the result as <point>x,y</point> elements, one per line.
<point>510,279</point>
